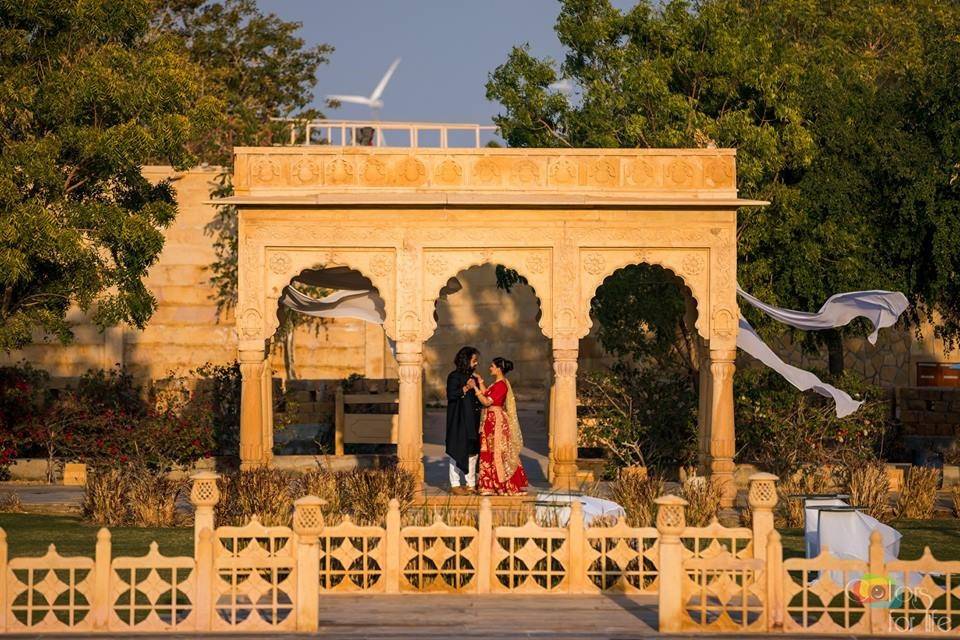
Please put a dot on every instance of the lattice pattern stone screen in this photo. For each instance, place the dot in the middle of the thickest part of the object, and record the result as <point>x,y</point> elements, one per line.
<point>439,558</point>
<point>530,559</point>
<point>254,578</point>
<point>352,558</point>
<point>622,558</point>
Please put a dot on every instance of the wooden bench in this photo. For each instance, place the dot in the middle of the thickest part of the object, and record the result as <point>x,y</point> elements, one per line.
<point>363,428</point>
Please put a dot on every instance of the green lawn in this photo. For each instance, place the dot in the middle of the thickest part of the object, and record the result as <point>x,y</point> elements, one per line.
<point>942,536</point>
<point>30,534</point>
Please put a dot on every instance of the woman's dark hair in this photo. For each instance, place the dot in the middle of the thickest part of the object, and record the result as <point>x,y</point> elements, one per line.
<point>506,366</point>
<point>463,357</point>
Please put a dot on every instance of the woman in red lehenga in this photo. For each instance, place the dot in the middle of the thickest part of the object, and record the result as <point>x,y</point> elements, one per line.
<point>501,472</point>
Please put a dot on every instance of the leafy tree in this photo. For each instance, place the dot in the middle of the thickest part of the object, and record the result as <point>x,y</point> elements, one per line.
<point>261,69</point>
<point>845,116</point>
<point>254,62</point>
<point>87,95</point>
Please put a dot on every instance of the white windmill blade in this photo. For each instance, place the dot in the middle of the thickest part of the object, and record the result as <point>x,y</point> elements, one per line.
<point>375,96</point>
<point>352,99</point>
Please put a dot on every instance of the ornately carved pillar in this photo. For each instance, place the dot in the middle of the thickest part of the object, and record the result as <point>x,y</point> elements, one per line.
<point>703,413</point>
<point>722,436</point>
<point>564,417</point>
<point>266,408</point>
<point>410,428</point>
<point>252,363</point>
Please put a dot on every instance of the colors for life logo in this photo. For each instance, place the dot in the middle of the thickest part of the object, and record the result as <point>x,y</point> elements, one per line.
<point>876,592</point>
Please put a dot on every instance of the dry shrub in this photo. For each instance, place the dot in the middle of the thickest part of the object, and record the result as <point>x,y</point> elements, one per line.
<point>11,503</point>
<point>919,494</point>
<point>366,493</point>
<point>152,498</point>
<point>868,487</point>
<point>363,494</point>
<point>636,494</point>
<point>265,493</point>
<point>105,497</point>
<point>322,483</point>
<point>703,500</point>
<point>814,482</point>
<point>955,496</point>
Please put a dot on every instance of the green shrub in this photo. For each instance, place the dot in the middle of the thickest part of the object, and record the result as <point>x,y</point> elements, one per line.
<point>221,383</point>
<point>262,492</point>
<point>105,497</point>
<point>703,500</point>
<point>362,494</point>
<point>23,394</point>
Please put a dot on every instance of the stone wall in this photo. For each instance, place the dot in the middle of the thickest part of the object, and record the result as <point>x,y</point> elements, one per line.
<point>929,411</point>
<point>887,363</point>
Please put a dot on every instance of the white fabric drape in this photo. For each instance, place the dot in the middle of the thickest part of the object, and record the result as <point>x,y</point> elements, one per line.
<point>882,308</point>
<point>750,342</point>
<point>354,301</point>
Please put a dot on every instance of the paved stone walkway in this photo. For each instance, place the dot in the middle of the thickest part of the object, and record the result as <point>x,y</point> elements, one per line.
<point>504,617</point>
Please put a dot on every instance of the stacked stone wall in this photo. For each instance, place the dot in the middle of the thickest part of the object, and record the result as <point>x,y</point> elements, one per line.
<point>929,411</point>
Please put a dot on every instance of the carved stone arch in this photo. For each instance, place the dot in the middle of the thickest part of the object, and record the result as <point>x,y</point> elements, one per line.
<point>534,264</point>
<point>690,266</point>
<point>284,264</point>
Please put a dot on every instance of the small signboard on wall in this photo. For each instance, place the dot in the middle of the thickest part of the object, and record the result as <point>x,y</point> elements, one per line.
<point>938,374</point>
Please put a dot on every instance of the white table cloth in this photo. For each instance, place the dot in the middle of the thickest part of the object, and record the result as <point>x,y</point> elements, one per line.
<point>811,520</point>
<point>559,504</point>
<point>846,534</point>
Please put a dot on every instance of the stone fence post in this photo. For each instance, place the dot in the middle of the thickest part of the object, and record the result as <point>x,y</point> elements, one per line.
<point>204,495</point>
<point>203,554</point>
<point>576,539</point>
<point>393,544</point>
<point>880,620</point>
<point>774,575</point>
<point>485,549</point>
<point>762,499</point>
<point>101,580</point>
<point>671,521</point>
<point>308,524</point>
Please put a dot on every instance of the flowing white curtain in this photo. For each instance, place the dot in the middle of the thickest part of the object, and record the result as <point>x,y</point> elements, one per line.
<point>882,308</point>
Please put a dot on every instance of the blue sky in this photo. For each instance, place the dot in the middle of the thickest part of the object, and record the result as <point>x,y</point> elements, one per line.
<point>448,47</point>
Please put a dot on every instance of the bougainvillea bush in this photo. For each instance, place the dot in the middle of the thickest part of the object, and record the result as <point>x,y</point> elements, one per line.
<point>106,420</point>
<point>23,392</point>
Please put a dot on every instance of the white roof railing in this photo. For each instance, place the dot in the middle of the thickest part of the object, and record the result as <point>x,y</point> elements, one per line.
<point>374,133</point>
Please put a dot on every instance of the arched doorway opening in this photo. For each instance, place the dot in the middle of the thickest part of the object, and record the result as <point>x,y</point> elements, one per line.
<point>499,321</point>
<point>329,338</point>
<point>640,384</point>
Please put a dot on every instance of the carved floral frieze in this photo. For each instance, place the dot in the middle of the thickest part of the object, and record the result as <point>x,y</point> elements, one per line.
<point>607,170</point>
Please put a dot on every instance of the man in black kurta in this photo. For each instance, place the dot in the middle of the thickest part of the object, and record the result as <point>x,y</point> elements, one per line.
<point>463,422</point>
